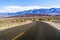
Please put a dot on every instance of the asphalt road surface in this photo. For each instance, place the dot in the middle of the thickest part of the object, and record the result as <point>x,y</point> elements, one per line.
<point>9,34</point>
<point>41,31</point>
<point>34,31</point>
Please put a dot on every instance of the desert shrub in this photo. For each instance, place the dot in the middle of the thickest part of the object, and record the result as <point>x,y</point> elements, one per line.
<point>40,19</point>
<point>0,21</point>
<point>49,19</point>
<point>21,21</point>
<point>12,21</point>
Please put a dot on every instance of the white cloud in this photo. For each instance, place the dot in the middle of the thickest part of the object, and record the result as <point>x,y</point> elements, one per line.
<point>2,11</point>
<point>56,6</point>
<point>12,9</point>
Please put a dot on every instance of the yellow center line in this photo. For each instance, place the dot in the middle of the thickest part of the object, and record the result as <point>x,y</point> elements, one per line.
<point>18,36</point>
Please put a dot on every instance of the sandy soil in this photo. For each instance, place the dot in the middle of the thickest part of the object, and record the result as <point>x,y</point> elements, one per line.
<point>14,25</point>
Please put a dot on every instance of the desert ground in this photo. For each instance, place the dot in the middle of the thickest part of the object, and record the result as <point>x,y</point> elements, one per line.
<point>6,23</point>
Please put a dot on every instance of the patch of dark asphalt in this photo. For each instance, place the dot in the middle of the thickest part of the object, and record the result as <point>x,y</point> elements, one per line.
<point>41,31</point>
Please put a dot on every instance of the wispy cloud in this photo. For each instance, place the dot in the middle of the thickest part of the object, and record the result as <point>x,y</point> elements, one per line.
<point>13,9</point>
<point>18,8</point>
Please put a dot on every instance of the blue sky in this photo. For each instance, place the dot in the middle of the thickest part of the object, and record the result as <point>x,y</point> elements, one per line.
<point>26,3</point>
<point>30,2</point>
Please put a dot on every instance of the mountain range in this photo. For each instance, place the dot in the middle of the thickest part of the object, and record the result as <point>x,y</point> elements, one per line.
<point>41,12</point>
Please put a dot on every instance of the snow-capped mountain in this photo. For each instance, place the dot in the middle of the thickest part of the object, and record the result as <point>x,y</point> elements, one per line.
<point>51,11</point>
<point>41,11</point>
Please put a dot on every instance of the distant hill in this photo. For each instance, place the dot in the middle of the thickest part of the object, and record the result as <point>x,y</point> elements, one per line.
<point>41,12</point>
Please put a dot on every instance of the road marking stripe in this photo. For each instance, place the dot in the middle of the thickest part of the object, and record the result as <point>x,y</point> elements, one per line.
<point>18,36</point>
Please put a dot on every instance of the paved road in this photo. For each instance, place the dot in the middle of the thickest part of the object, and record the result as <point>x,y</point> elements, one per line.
<point>9,34</point>
<point>41,31</point>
